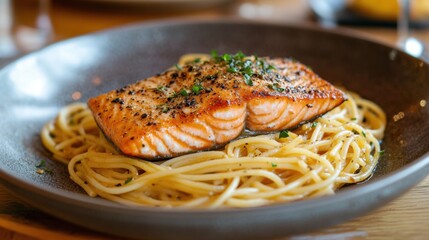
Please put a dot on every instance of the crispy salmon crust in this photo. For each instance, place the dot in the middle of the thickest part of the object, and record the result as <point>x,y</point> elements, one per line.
<point>202,105</point>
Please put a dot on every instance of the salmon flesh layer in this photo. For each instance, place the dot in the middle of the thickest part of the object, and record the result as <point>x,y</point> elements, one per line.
<point>202,105</point>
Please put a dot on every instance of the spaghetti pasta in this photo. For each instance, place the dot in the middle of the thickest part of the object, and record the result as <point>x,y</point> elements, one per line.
<point>315,159</point>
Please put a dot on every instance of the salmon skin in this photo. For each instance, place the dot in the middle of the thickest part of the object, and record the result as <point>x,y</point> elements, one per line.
<point>205,104</point>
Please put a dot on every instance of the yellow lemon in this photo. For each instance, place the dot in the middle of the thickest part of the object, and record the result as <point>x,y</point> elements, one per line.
<point>388,9</point>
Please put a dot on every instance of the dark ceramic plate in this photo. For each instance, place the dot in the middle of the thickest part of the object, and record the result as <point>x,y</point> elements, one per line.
<point>33,89</point>
<point>150,5</point>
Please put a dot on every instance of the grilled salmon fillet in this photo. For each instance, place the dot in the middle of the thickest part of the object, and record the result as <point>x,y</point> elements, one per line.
<point>205,104</point>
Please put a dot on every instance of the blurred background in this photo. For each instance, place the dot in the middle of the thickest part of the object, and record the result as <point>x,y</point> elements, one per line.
<point>26,25</point>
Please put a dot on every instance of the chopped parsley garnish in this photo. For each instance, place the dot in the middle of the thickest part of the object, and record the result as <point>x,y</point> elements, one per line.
<point>276,87</point>
<point>41,168</point>
<point>232,70</point>
<point>314,124</point>
<point>284,134</point>
<point>227,57</point>
<point>353,119</point>
<point>214,54</point>
<point>160,88</point>
<point>265,66</point>
<point>248,80</point>
<point>240,55</point>
<point>128,180</point>
<point>271,67</point>
<point>197,60</point>
<point>356,132</point>
<point>178,67</point>
<point>197,88</point>
<point>41,164</point>
<point>273,164</point>
<point>165,109</point>
<point>183,92</point>
<point>381,153</point>
<point>239,63</point>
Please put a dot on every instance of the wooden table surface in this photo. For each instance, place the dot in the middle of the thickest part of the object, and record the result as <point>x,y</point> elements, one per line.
<point>404,218</point>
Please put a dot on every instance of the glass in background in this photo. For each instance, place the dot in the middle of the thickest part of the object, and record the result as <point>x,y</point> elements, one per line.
<point>406,37</point>
<point>410,16</point>
<point>25,26</point>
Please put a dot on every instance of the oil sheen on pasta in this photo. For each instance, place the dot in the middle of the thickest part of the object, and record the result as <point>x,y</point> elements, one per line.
<point>340,147</point>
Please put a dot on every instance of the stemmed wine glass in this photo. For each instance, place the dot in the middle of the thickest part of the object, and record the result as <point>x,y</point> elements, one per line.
<point>407,42</point>
<point>17,38</point>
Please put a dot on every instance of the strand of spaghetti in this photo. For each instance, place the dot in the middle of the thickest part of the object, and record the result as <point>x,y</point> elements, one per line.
<point>244,191</point>
<point>319,185</point>
<point>316,133</point>
<point>263,187</point>
<point>175,187</point>
<point>138,199</point>
<point>98,177</point>
<point>50,143</point>
<point>224,175</point>
<point>266,142</point>
<point>78,179</point>
<point>305,152</point>
<point>196,167</point>
<point>64,116</point>
<point>282,190</point>
<point>229,191</point>
<point>193,158</point>
<point>194,184</point>
<point>195,202</point>
<point>104,158</point>
<point>250,181</point>
<point>76,140</point>
<point>347,141</point>
<point>247,163</point>
<point>354,159</point>
<point>147,179</point>
<point>87,125</point>
<point>118,174</point>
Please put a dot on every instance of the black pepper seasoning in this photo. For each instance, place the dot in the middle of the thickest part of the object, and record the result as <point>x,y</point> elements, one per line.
<point>118,100</point>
